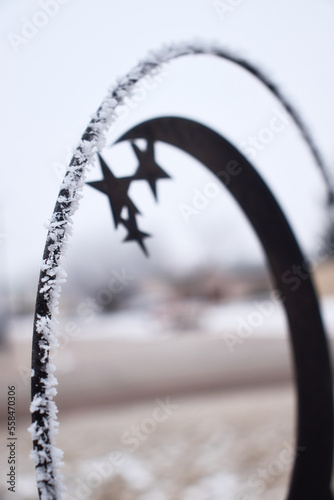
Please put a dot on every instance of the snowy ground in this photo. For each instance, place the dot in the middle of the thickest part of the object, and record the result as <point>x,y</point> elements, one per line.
<point>210,447</point>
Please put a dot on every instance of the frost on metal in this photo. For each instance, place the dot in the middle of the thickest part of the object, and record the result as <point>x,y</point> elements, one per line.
<point>44,412</point>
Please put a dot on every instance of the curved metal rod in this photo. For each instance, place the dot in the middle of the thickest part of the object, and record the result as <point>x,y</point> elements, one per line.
<point>313,466</point>
<point>292,111</point>
<point>43,408</point>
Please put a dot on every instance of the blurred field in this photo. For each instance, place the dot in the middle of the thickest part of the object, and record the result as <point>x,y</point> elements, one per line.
<point>210,447</point>
<point>231,416</point>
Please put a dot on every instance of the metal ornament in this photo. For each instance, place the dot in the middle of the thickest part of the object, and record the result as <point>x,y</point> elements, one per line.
<point>116,188</point>
<point>312,469</point>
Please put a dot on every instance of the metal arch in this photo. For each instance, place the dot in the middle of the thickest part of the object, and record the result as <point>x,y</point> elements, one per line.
<point>43,419</point>
<point>313,467</point>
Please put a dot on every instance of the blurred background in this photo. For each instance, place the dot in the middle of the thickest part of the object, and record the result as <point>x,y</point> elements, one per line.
<point>174,371</point>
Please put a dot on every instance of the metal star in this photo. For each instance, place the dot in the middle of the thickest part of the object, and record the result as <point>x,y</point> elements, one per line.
<point>148,169</point>
<point>116,188</point>
<point>134,234</point>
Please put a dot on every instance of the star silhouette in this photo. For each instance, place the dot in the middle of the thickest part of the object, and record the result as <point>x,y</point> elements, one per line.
<point>116,188</point>
<point>148,169</point>
<point>134,234</point>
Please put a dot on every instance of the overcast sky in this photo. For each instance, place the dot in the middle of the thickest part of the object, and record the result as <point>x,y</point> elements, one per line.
<point>59,59</point>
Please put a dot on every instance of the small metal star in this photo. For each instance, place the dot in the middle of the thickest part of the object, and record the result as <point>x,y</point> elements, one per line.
<point>116,188</point>
<point>134,234</point>
<point>148,169</point>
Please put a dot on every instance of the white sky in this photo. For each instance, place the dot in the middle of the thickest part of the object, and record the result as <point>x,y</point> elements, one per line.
<point>52,84</point>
